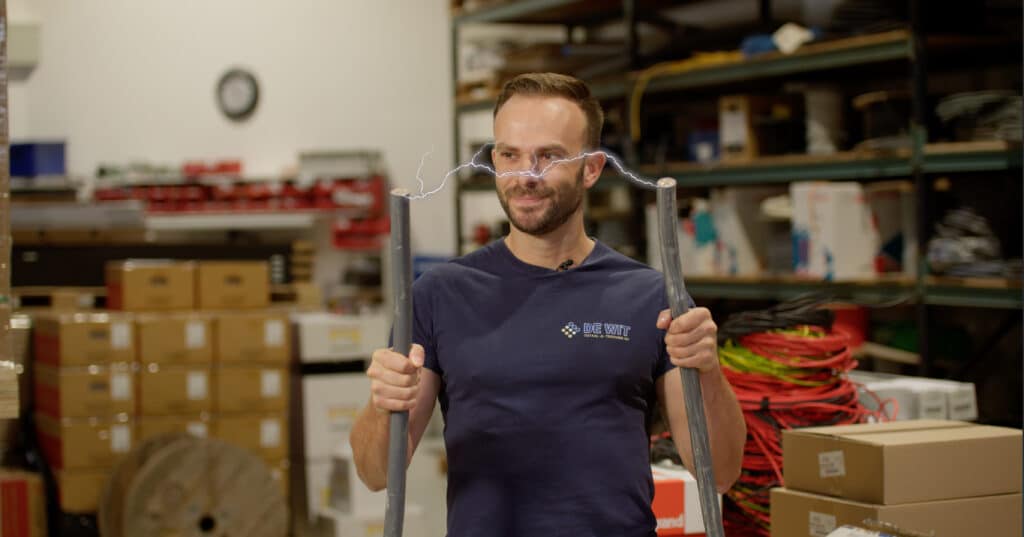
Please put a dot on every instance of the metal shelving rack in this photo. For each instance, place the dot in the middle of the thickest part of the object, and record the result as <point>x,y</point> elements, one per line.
<point>905,47</point>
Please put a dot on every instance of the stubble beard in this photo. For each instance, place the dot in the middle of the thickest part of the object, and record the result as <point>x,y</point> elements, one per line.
<point>566,201</point>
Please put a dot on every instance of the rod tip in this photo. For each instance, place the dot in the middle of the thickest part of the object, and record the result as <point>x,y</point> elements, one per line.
<point>666,182</point>
<point>400,192</point>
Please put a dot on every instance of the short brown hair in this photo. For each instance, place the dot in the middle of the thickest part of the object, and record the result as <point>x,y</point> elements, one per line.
<point>558,85</point>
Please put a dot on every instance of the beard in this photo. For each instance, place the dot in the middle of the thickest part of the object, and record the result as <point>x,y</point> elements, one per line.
<point>565,199</point>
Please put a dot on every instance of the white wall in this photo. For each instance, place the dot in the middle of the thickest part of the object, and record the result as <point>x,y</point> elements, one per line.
<point>125,80</point>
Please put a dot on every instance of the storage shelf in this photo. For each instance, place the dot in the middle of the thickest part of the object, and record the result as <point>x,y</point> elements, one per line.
<point>939,158</point>
<point>267,220</point>
<point>784,288</point>
<point>971,292</point>
<point>974,292</point>
<point>841,53</point>
<point>581,12</point>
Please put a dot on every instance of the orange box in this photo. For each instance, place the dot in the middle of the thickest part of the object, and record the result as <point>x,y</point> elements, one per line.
<point>24,504</point>
<point>175,338</point>
<point>263,434</point>
<point>84,443</point>
<point>83,339</point>
<point>256,337</point>
<point>250,388</point>
<point>676,502</point>
<point>83,392</point>
<point>150,285</point>
<point>232,285</point>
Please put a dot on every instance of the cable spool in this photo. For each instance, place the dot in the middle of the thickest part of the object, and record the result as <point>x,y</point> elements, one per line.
<point>185,486</point>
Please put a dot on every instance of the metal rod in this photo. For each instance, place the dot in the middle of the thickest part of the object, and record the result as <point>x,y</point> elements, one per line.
<point>668,224</point>
<point>398,422</point>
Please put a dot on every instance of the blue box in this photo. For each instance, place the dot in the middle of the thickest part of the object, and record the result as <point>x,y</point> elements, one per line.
<point>37,158</point>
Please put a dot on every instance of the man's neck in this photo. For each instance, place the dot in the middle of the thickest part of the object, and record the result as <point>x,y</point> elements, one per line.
<point>553,249</point>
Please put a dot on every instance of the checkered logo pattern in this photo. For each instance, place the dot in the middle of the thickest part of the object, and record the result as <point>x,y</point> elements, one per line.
<point>570,330</point>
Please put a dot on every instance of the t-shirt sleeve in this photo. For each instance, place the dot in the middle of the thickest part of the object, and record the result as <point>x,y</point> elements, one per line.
<point>663,364</point>
<point>422,324</point>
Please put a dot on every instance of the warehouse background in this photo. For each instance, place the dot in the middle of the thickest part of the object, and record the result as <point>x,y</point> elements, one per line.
<point>166,268</point>
<point>123,81</point>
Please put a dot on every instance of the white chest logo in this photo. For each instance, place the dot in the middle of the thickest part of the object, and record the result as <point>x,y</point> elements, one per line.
<point>597,330</point>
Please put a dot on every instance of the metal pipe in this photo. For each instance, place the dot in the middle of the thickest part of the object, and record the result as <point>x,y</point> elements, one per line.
<point>668,224</point>
<point>398,422</point>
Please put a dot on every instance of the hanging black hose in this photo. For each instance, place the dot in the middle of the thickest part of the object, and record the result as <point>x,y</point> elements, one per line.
<point>398,425</point>
<point>668,225</point>
<point>802,311</point>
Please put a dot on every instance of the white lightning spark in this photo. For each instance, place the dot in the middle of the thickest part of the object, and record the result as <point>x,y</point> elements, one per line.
<point>623,171</point>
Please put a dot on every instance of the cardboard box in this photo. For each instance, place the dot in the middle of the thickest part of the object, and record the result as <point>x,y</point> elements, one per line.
<point>82,392</point>
<point>835,236</point>
<point>802,514</point>
<point>233,285</point>
<point>333,485</point>
<point>20,336</point>
<point>903,461</point>
<point>80,490</point>
<point>252,337</point>
<point>23,504</point>
<point>750,126</point>
<point>168,390</point>
<point>676,502</point>
<point>84,443</point>
<point>917,397</point>
<point>150,285</point>
<point>175,338</point>
<point>264,434</point>
<point>149,426</point>
<point>83,339</point>
<point>330,405</point>
<point>329,337</point>
<point>250,388</point>
<point>280,470</point>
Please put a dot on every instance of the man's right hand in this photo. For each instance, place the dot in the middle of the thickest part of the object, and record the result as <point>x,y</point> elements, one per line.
<point>394,379</point>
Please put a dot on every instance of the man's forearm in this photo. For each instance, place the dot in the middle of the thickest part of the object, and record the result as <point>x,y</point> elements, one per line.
<point>727,430</point>
<point>369,441</point>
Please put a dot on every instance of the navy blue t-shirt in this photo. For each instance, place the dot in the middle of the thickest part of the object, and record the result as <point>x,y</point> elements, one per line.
<point>547,387</point>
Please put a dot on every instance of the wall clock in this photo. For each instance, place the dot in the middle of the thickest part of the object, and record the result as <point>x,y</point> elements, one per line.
<point>238,94</point>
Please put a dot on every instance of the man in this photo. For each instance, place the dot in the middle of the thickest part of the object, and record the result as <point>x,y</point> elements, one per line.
<point>547,351</point>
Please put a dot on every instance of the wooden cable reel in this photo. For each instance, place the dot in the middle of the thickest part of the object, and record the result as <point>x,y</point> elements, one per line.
<point>181,486</point>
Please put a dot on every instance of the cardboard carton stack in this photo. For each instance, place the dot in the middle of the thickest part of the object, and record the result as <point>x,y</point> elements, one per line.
<point>23,504</point>
<point>251,349</point>
<point>947,477</point>
<point>85,399</point>
<point>191,348</point>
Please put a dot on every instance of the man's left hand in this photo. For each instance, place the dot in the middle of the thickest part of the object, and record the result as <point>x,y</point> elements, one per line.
<point>692,339</point>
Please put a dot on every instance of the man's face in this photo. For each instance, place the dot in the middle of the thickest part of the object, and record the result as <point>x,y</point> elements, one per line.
<point>530,134</point>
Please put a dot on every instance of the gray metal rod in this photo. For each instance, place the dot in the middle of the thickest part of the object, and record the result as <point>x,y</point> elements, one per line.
<point>398,422</point>
<point>668,225</point>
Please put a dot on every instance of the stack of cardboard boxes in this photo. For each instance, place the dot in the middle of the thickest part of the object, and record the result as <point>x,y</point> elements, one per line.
<point>947,477</point>
<point>196,350</point>
<point>85,400</point>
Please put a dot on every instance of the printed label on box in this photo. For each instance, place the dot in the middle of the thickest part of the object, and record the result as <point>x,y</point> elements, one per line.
<point>270,383</point>
<point>270,433</point>
<point>197,385</point>
<point>120,335</point>
<point>196,428</point>
<point>273,333</point>
<point>195,335</point>
<point>120,439</point>
<point>820,524</point>
<point>120,386</point>
<point>831,464</point>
